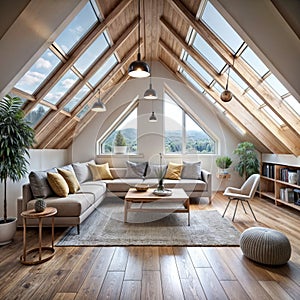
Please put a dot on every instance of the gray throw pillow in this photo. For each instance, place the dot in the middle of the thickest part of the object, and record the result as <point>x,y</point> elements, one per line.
<point>82,171</point>
<point>39,184</point>
<point>154,170</point>
<point>191,170</point>
<point>136,169</point>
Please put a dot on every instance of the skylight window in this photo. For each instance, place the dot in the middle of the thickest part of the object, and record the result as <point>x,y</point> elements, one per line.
<point>272,115</point>
<point>255,98</point>
<point>210,98</point>
<point>276,85</point>
<point>208,53</point>
<point>238,79</point>
<point>192,81</point>
<point>97,48</point>
<point>78,27</point>
<point>293,104</point>
<point>38,73</point>
<point>61,87</point>
<point>218,88</point>
<point>37,114</point>
<point>216,22</point>
<point>254,62</point>
<point>77,98</point>
<point>83,112</point>
<point>103,70</point>
<point>199,69</point>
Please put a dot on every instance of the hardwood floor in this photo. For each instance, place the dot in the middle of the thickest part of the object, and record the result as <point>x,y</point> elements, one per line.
<point>158,272</point>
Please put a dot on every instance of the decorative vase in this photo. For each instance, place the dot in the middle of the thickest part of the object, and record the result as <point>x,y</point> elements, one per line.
<point>160,186</point>
<point>40,205</point>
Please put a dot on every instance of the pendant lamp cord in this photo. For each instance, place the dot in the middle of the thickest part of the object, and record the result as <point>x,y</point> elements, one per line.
<point>139,34</point>
<point>229,72</point>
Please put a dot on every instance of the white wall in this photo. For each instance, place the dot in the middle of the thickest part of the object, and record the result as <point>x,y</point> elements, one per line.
<point>150,135</point>
<point>39,160</point>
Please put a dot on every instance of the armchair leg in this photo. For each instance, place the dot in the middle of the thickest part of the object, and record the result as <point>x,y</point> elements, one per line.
<point>243,206</point>
<point>252,211</point>
<point>237,202</point>
<point>78,229</point>
<point>226,208</point>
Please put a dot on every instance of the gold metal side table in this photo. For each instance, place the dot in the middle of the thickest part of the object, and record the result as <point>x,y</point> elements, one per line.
<point>32,214</point>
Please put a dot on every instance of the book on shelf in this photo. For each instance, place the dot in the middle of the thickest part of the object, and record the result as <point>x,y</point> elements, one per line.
<point>298,177</point>
<point>289,195</point>
<point>268,170</point>
<point>284,174</point>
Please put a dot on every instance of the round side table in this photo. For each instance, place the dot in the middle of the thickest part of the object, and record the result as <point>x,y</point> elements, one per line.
<point>32,214</point>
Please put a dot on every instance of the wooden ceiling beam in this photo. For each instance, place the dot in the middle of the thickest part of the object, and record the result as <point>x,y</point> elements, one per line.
<point>43,125</point>
<point>234,107</point>
<point>85,43</point>
<point>241,67</point>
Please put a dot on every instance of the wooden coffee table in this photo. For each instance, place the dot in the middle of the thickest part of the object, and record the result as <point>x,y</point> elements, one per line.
<point>178,202</point>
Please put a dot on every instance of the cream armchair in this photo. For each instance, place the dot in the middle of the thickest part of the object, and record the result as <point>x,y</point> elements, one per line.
<point>245,193</point>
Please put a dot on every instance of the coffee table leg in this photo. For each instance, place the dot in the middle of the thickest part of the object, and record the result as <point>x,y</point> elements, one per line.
<point>125,210</point>
<point>188,208</point>
<point>40,238</point>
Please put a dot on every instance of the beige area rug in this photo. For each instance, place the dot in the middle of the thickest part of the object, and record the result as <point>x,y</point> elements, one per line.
<point>105,227</point>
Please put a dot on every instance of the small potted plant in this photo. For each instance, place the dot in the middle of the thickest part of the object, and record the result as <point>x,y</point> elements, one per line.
<point>248,162</point>
<point>223,163</point>
<point>120,146</point>
<point>16,137</point>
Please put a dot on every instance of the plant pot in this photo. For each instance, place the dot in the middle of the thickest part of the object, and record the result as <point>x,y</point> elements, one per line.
<point>7,230</point>
<point>120,149</point>
<point>223,171</point>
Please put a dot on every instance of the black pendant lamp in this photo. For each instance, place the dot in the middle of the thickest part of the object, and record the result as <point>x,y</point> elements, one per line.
<point>98,106</point>
<point>226,96</point>
<point>139,68</point>
<point>152,117</point>
<point>150,93</point>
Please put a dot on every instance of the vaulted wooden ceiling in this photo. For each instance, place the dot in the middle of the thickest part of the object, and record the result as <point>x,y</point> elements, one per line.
<point>165,26</point>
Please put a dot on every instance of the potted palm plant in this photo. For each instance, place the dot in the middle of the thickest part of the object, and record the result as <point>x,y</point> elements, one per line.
<point>16,137</point>
<point>120,144</point>
<point>223,163</point>
<point>248,162</point>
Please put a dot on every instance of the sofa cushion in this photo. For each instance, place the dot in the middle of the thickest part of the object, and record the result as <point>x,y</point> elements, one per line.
<point>100,171</point>
<point>70,179</point>
<point>186,184</point>
<point>39,184</point>
<point>153,171</point>
<point>96,188</point>
<point>173,171</point>
<point>82,171</point>
<point>58,184</point>
<point>191,170</point>
<point>136,169</point>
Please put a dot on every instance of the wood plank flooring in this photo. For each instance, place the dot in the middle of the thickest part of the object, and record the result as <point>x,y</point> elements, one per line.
<point>158,272</point>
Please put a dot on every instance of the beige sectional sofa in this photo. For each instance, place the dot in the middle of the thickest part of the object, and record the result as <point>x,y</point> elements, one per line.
<point>75,208</point>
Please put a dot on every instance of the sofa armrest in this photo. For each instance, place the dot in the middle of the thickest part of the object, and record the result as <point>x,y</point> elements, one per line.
<point>206,177</point>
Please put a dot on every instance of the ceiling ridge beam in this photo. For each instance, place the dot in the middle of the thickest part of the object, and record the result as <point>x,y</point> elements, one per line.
<point>241,67</point>
<point>234,104</point>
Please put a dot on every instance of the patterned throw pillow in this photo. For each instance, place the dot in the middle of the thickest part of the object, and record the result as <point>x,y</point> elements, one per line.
<point>58,184</point>
<point>70,179</point>
<point>100,172</point>
<point>173,171</point>
<point>191,170</point>
<point>136,169</point>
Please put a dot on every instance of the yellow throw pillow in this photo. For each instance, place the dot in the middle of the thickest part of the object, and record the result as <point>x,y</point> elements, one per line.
<point>58,184</point>
<point>173,171</point>
<point>100,172</point>
<point>70,179</point>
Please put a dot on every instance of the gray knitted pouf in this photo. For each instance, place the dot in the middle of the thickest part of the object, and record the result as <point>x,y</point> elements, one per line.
<point>265,246</point>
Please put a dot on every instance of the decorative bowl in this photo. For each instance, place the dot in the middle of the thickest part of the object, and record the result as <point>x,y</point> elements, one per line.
<point>141,187</point>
